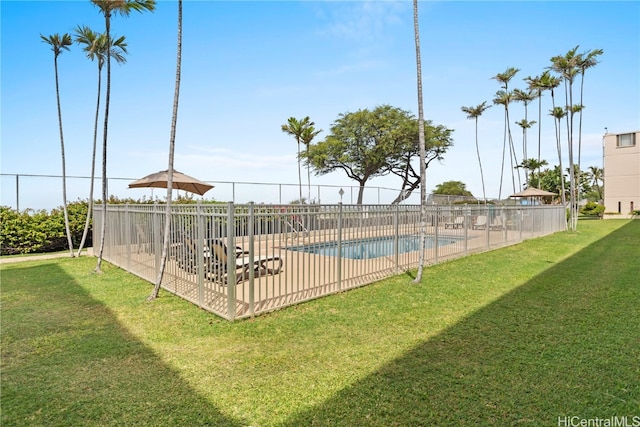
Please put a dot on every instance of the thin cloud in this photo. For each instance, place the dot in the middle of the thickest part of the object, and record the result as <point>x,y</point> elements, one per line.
<point>362,21</point>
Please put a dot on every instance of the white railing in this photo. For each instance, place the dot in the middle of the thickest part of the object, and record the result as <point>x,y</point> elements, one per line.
<point>280,255</point>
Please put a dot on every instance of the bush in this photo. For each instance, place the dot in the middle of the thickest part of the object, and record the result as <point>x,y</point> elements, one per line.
<point>39,231</point>
<point>592,209</point>
<point>31,231</point>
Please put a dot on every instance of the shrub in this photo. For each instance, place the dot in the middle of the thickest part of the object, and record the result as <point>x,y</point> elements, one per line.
<point>592,209</point>
<point>39,231</point>
<point>31,231</point>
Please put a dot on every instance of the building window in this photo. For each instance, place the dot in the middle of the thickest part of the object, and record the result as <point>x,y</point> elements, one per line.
<point>626,140</point>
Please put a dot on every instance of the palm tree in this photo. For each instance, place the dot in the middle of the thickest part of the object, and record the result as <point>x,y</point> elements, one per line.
<point>422,148</point>
<point>474,113</point>
<point>525,124</point>
<point>504,97</point>
<point>596,174</point>
<point>558,113</point>
<point>307,136</point>
<point>172,145</point>
<point>296,128</point>
<point>532,165</point>
<point>59,44</point>
<point>553,180</point>
<point>538,85</point>
<point>533,84</point>
<point>587,60</point>
<point>96,48</point>
<point>108,8</point>
<point>525,97</point>
<point>567,66</point>
<point>550,83</point>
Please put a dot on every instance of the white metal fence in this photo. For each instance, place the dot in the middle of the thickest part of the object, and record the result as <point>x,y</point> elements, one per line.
<point>241,260</point>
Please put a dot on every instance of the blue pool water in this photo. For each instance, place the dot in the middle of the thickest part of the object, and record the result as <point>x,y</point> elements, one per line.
<point>374,247</point>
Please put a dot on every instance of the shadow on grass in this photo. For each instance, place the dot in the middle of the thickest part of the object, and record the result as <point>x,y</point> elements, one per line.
<point>566,343</point>
<point>66,360</point>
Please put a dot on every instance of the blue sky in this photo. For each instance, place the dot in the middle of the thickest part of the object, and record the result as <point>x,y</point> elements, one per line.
<point>248,66</point>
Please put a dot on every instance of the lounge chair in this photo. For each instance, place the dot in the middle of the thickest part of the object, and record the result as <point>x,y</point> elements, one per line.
<point>215,261</point>
<point>261,265</point>
<point>481,223</point>
<point>459,222</point>
<point>497,224</point>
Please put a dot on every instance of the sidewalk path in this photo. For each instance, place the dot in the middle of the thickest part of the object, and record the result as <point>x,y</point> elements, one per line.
<point>12,260</point>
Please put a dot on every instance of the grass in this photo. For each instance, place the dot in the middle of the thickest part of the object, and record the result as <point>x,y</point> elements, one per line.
<point>517,336</point>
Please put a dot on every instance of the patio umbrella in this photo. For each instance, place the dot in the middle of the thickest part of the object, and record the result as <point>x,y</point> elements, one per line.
<point>180,182</point>
<point>533,192</point>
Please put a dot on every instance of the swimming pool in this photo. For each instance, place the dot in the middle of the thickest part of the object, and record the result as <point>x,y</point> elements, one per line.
<point>374,247</point>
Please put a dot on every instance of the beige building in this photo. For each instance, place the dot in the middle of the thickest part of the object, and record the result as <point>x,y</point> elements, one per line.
<point>622,172</point>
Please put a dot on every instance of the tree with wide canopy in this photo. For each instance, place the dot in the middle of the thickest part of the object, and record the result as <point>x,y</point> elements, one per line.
<point>437,141</point>
<point>372,143</point>
<point>453,188</point>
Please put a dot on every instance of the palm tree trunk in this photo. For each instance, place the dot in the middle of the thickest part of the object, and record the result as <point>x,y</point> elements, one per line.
<point>504,149</point>
<point>299,175</point>
<point>572,180</point>
<point>421,146</point>
<point>580,141</point>
<point>512,153</point>
<point>308,177</point>
<point>93,165</point>
<point>105,195</point>
<point>556,123</point>
<point>539,132</point>
<point>525,153</point>
<point>172,144</point>
<point>64,171</point>
<point>559,146</point>
<point>484,194</point>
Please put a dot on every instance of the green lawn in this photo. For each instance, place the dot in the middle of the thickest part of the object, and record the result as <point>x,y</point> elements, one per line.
<point>517,336</point>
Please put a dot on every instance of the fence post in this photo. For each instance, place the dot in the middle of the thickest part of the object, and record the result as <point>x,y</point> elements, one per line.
<point>396,231</point>
<point>339,255</point>
<point>435,236</point>
<point>200,237</point>
<point>157,240</point>
<point>250,233</point>
<point>521,210</point>
<point>503,221</point>
<point>467,218</point>
<point>17,192</point>
<point>127,234</point>
<point>486,226</point>
<point>231,262</point>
